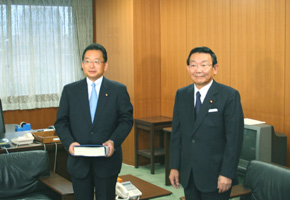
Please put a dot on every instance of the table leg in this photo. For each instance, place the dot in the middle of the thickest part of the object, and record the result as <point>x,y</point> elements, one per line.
<point>167,149</point>
<point>152,149</point>
<point>136,146</point>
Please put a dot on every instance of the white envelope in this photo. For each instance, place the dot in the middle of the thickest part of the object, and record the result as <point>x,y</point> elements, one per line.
<point>213,110</point>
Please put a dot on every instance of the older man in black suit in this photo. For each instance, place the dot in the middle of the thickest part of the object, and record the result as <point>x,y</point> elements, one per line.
<point>107,123</point>
<point>207,132</point>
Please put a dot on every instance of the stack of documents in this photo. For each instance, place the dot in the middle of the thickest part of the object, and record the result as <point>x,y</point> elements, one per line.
<point>91,150</point>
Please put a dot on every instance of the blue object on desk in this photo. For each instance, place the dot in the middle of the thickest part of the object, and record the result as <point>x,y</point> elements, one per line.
<point>23,127</point>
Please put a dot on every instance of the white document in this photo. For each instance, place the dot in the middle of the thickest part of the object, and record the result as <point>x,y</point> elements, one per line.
<point>91,150</point>
<point>248,121</point>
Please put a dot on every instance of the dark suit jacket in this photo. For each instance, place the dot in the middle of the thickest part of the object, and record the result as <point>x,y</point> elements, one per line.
<point>113,121</point>
<point>209,144</point>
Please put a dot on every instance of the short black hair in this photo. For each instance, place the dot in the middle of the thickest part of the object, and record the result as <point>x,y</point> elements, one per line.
<point>95,46</point>
<point>203,50</point>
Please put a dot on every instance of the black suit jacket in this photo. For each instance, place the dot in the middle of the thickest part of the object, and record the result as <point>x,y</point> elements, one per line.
<point>208,144</point>
<point>113,121</point>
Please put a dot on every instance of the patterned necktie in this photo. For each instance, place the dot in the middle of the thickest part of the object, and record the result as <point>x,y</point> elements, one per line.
<point>198,103</point>
<point>93,102</point>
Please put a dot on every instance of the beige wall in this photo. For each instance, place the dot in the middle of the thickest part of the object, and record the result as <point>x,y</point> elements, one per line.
<point>130,31</point>
<point>148,42</point>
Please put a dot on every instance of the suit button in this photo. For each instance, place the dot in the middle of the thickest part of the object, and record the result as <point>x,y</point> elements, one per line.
<point>193,141</point>
<point>92,132</point>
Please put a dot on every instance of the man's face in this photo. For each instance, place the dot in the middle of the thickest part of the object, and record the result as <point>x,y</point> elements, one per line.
<point>91,67</point>
<point>200,69</point>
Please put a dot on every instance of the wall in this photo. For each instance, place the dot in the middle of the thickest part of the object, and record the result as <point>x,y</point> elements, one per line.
<point>38,118</point>
<point>251,41</point>
<point>148,42</point>
<point>249,38</point>
<point>130,31</point>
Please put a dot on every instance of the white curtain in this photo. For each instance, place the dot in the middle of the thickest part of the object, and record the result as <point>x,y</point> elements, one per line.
<point>40,49</point>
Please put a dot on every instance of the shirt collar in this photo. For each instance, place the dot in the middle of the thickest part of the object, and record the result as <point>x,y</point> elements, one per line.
<point>203,91</point>
<point>97,82</point>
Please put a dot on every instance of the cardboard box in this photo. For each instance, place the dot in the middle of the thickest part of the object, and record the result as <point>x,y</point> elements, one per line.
<point>46,137</point>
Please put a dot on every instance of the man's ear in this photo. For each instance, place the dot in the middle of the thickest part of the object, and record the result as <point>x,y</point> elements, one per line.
<point>215,69</point>
<point>106,66</point>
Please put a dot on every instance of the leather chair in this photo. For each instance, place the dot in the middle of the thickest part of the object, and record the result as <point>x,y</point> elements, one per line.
<point>267,181</point>
<point>26,175</point>
<point>263,181</point>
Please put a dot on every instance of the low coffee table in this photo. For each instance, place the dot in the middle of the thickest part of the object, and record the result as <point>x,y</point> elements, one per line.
<point>148,189</point>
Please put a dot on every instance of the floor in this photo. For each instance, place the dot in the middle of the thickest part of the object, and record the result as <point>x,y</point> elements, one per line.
<point>143,172</point>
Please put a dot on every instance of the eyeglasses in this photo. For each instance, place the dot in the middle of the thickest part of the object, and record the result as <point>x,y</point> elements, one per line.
<point>195,66</point>
<point>97,62</point>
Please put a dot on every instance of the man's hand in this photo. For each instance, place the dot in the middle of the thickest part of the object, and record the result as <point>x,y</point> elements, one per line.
<point>224,184</point>
<point>174,178</point>
<point>71,147</point>
<point>110,145</point>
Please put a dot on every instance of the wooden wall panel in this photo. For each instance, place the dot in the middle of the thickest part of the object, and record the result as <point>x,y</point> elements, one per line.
<point>38,118</point>
<point>208,24</point>
<point>147,64</point>
<point>130,31</point>
<point>287,81</point>
<point>173,52</point>
<point>257,52</point>
<point>249,40</point>
<point>114,30</point>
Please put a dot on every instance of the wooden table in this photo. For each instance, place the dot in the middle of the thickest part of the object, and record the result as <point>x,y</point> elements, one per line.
<point>148,189</point>
<point>153,125</point>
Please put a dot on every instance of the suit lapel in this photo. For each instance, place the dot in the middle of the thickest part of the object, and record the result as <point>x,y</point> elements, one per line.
<point>207,104</point>
<point>84,99</point>
<point>103,98</point>
<point>189,102</point>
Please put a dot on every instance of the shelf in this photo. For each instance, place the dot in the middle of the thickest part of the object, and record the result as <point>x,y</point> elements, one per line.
<point>147,152</point>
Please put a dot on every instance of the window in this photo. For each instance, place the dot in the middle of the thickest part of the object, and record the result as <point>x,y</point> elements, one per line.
<point>38,52</point>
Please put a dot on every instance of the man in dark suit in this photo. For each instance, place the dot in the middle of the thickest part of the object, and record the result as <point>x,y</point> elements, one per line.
<point>109,126</point>
<point>207,132</point>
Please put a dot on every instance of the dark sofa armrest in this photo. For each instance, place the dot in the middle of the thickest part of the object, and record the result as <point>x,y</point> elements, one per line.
<point>237,191</point>
<point>60,185</point>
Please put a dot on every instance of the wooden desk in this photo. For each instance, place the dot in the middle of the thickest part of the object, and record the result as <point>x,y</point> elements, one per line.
<point>153,125</point>
<point>56,152</point>
<point>148,190</point>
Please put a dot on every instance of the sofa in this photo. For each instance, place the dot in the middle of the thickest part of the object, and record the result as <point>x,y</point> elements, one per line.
<point>26,175</point>
<point>267,181</point>
<point>263,181</point>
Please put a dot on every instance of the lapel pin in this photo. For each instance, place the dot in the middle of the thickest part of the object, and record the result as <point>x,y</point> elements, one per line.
<point>106,95</point>
<point>211,101</point>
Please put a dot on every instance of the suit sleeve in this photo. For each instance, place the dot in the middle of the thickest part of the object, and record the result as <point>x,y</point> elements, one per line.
<point>234,127</point>
<point>125,118</point>
<point>175,141</point>
<point>62,124</point>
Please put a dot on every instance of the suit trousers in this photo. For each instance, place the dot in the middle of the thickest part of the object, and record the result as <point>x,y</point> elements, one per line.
<point>104,188</point>
<point>193,193</point>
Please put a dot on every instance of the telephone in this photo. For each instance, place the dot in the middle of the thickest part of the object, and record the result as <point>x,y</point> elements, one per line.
<point>127,190</point>
<point>27,138</point>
